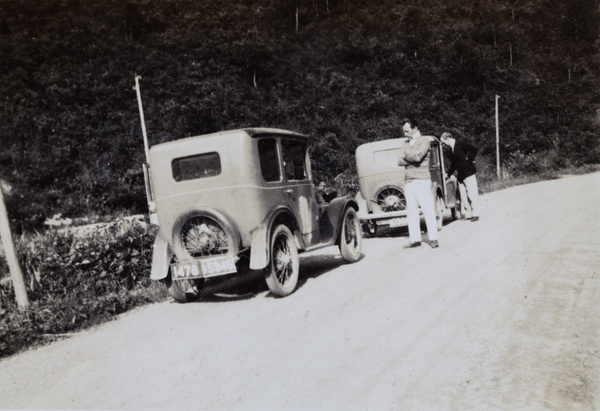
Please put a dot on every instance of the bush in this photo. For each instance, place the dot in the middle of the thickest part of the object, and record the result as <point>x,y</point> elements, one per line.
<point>521,164</point>
<point>76,279</point>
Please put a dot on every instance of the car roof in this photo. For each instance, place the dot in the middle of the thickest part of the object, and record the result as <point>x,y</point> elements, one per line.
<point>387,144</point>
<point>252,132</point>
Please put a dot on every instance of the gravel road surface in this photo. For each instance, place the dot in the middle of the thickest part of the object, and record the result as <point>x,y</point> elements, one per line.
<point>505,315</point>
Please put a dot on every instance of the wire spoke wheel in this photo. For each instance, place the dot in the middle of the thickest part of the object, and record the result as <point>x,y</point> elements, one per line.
<point>391,199</point>
<point>203,236</point>
<point>282,275</point>
<point>351,237</point>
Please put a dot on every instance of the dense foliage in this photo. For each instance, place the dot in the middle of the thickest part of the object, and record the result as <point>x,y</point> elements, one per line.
<point>343,71</point>
<point>76,280</point>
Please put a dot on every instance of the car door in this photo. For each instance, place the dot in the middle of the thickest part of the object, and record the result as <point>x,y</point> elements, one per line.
<point>299,189</point>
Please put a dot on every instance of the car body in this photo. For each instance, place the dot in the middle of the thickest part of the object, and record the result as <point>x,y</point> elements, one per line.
<point>381,183</point>
<point>241,201</point>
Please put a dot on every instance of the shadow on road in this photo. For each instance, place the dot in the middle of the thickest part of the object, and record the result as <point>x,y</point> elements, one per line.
<point>252,285</point>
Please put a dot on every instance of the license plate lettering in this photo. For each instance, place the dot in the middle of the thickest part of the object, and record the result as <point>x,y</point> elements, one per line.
<point>201,268</point>
<point>397,222</point>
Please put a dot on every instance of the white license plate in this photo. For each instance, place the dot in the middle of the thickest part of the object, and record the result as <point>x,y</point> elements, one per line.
<point>396,222</point>
<point>202,268</point>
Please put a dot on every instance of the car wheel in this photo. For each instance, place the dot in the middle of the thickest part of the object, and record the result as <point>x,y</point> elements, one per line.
<point>369,229</point>
<point>456,215</point>
<point>204,234</point>
<point>184,291</point>
<point>351,236</point>
<point>282,274</point>
<point>439,213</point>
<point>391,199</point>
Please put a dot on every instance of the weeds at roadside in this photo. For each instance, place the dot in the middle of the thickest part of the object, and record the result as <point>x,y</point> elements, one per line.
<point>77,280</point>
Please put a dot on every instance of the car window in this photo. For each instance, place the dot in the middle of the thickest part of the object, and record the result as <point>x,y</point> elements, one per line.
<point>434,158</point>
<point>294,159</point>
<point>269,162</point>
<point>196,166</point>
<point>386,156</point>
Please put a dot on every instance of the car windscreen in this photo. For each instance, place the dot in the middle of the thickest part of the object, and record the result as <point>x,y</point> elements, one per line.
<point>196,166</point>
<point>294,159</point>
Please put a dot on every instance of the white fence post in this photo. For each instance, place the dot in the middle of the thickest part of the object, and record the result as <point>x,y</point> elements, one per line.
<point>11,257</point>
<point>497,140</point>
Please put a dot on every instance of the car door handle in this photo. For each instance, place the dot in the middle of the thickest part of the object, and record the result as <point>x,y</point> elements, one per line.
<point>290,192</point>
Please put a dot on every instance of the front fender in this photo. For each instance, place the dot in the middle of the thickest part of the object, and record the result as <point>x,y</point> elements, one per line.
<point>161,258</point>
<point>336,211</point>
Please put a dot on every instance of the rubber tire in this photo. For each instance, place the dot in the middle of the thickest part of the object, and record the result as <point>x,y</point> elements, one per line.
<point>233,237</point>
<point>456,215</point>
<point>439,213</point>
<point>283,247</point>
<point>351,236</point>
<point>455,211</point>
<point>177,289</point>
<point>369,229</point>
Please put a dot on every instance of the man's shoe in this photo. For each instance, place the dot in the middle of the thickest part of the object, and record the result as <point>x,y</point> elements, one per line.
<point>412,245</point>
<point>473,219</point>
<point>434,244</point>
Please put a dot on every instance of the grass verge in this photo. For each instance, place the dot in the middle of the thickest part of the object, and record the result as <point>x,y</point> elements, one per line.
<point>75,281</point>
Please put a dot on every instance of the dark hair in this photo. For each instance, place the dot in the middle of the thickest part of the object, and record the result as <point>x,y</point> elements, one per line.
<point>411,122</point>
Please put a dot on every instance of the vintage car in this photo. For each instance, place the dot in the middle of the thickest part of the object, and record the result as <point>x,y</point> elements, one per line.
<point>238,202</point>
<point>381,183</point>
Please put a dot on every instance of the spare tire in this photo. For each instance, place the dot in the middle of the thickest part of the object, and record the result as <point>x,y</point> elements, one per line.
<point>204,233</point>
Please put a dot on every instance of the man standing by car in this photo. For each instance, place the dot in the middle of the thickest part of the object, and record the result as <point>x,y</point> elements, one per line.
<point>414,156</point>
<point>463,155</point>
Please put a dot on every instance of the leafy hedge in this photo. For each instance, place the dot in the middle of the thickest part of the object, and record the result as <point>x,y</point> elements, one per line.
<point>77,280</point>
<point>344,72</point>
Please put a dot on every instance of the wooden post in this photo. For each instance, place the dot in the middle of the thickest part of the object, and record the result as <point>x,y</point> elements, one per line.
<point>141,108</point>
<point>11,257</point>
<point>497,140</point>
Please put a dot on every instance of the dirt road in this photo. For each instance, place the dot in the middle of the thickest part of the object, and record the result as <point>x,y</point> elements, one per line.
<point>504,315</point>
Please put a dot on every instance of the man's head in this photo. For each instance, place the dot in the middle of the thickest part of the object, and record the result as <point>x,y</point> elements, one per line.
<point>409,127</point>
<point>448,139</point>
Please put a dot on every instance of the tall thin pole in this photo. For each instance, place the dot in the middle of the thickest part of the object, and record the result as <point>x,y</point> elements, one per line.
<point>139,98</point>
<point>497,140</point>
<point>11,257</point>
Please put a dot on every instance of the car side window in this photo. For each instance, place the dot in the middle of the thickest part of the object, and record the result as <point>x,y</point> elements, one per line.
<point>434,158</point>
<point>196,166</point>
<point>269,161</point>
<point>294,159</point>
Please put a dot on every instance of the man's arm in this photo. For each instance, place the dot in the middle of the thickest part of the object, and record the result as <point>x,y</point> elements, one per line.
<point>469,150</point>
<point>417,152</point>
<point>401,154</point>
<point>452,167</point>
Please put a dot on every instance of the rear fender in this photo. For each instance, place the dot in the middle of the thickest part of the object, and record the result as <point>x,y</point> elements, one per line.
<point>259,250</point>
<point>261,237</point>
<point>162,255</point>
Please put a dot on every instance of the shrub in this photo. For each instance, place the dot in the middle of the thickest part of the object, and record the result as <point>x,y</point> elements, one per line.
<point>533,163</point>
<point>76,279</point>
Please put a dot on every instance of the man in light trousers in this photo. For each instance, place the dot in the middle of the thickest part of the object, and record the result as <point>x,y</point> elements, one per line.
<point>414,156</point>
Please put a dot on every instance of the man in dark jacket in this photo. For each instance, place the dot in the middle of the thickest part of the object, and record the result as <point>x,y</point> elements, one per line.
<point>463,156</point>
